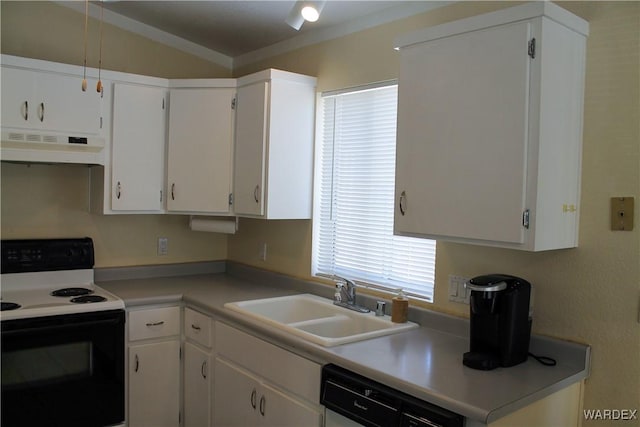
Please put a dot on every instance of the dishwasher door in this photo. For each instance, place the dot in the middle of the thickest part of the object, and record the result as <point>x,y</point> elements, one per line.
<point>333,419</point>
<point>353,400</point>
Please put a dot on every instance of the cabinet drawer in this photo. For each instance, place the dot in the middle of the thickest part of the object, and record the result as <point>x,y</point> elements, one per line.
<point>197,327</point>
<point>154,323</point>
<point>279,366</point>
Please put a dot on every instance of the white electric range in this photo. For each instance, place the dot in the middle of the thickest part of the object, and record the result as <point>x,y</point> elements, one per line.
<point>62,337</point>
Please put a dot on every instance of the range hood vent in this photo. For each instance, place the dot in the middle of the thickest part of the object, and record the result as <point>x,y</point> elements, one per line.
<point>29,146</point>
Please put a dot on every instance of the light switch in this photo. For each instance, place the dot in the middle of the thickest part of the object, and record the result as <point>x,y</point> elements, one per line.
<point>622,213</point>
<point>457,291</point>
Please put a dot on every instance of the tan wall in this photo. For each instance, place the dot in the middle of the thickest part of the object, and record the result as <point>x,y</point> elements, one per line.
<point>53,200</point>
<point>589,294</point>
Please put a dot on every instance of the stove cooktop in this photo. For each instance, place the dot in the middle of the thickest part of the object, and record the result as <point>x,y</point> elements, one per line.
<point>50,277</point>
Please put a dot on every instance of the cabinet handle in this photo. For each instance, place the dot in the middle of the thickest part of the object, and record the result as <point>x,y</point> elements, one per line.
<point>173,189</point>
<point>156,323</point>
<point>203,370</point>
<point>403,203</point>
<point>137,364</point>
<point>118,190</point>
<point>41,112</point>
<point>255,193</point>
<point>195,327</point>
<point>254,394</point>
<point>263,403</point>
<point>26,110</point>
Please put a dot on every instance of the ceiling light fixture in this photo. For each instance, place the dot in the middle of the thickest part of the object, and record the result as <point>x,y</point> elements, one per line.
<point>304,10</point>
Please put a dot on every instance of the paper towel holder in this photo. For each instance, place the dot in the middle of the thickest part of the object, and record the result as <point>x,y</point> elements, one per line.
<point>226,225</point>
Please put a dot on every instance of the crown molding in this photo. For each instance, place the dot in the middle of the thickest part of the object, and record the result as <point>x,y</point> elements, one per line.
<point>150,32</point>
<point>340,30</point>
<point>297,42</point>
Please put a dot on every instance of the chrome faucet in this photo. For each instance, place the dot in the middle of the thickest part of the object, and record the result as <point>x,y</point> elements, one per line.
<point>345,295</point>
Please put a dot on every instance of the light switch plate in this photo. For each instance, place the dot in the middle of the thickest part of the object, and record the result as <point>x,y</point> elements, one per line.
<point>457,291</point>
<point>622,212</point>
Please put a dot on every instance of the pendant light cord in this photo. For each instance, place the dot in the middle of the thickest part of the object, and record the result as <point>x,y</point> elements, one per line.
<point>99,86</point>
<point>86,25</point>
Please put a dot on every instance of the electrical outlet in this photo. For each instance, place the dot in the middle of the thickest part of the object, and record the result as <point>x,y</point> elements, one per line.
<point>457,291</point>
<point>163,246</point>
<point>262,254</point>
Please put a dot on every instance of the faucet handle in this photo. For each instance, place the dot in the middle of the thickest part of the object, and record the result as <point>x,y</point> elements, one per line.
<point>380,306</point>
<point>338,295</point>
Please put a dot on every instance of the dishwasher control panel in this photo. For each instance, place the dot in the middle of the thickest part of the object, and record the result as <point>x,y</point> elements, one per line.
<point>370,403</point>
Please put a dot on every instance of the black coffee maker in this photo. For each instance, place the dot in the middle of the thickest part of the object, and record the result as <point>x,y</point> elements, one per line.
<point>500,321</point>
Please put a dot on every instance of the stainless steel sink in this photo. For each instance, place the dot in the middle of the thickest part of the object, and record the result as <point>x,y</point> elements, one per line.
<point>317,319</point>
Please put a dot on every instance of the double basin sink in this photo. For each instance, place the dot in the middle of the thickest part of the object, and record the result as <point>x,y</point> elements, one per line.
<point>317,319</point>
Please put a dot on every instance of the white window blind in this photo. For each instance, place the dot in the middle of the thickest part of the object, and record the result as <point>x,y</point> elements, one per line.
<point>354,197</point>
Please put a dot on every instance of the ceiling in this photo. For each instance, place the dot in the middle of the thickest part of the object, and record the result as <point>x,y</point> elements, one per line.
<point>239,27</point>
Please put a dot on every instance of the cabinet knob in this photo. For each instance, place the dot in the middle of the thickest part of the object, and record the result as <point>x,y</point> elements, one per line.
<point>118,190</point>
<point>26,110</point>
<point>41,112</point>
<point>173,189</point>
<point>137,364</point>
<point>263,404</point>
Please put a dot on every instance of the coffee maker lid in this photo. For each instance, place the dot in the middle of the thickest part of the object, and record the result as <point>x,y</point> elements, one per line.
<point>490,282</point>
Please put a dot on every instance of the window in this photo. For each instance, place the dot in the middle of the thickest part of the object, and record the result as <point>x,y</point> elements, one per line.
<point>354,196</point>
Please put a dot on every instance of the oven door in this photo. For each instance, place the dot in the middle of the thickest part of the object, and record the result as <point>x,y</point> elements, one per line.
<point>65,370</point>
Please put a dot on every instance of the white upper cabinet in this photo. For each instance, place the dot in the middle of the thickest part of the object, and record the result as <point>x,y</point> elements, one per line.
<point>49,101</point>
<point>200,155</point>
<point>138,147</point>
<point>274,145</point>
<point>490,129</point>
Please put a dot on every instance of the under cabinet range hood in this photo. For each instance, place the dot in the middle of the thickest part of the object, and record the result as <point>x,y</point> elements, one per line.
<point>43,147</point>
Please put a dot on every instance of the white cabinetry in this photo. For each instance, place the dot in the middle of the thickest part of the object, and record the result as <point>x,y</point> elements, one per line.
<point>200,155</point>
<point>198,396</point>
<point>49,101</point>
<point>154,367</point>
<point>259,384</point>
<point>138,146</point>
<point>274,145</point>
<point>490,129</point>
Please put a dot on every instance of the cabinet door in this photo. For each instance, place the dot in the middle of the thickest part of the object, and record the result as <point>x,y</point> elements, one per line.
<point>154,384</point>
<point>18,98</point>
<point>64,107</point>
<point>48,101</point>
<point>461,161</point>
<point>251,140</point>
<point>197,387</point>
<point>279,410</point>
<point>138,143</point>
<point>235,396</point>
<point>200,150</point>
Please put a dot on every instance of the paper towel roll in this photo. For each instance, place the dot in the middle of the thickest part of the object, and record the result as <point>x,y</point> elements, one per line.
<point>214,225</point>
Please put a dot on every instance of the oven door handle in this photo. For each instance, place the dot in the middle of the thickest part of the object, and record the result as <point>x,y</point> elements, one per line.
<point>38,326</point>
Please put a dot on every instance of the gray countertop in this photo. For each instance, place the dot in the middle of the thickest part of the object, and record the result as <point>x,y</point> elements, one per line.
<point>424,362</point>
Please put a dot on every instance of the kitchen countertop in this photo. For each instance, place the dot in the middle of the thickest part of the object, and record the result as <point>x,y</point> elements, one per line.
<point>424,362</point>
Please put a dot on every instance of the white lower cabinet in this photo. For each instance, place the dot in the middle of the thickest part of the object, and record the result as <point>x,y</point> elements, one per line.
<point>197,386</point>
<point>154,384</point>
<point>154,367</point>
<point>259,384</point>
<point>243,399</point>
<point>198,369</point>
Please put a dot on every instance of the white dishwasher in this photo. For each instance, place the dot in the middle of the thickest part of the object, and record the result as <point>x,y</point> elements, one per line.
<point>353,400</point>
